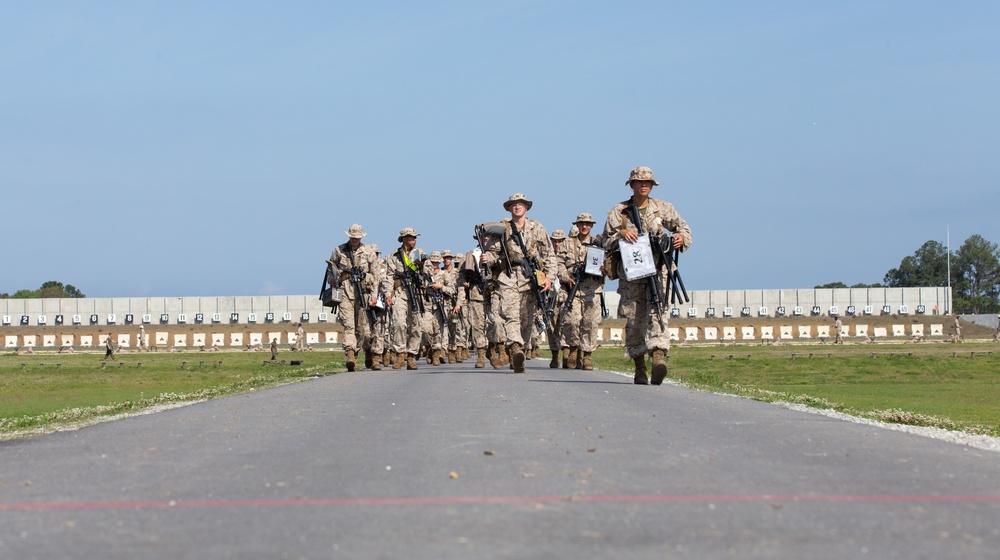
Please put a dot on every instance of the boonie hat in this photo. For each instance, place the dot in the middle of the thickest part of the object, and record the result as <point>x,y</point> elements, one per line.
<point>355,232</point>
<point>641,174</point>
<point>407,232</point>
<point>446,254</point>
<point>558,235</point>
<point>435,256</point>
<point>516,197</point>
<point>584,217</point>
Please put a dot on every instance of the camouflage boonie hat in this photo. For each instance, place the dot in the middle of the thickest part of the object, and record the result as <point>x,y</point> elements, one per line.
<point>516,197</point>
<point>574,231</point>
<point>355,231</point>
<point>641,174</point>
<point>446,254</point>
<point>407,232</point>
<point>459,256</point>
<point>435,256</point>
<point>558,235</point>
<point>584,217</point>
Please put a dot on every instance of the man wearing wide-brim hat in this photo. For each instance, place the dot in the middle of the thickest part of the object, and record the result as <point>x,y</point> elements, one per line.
<point>358,333</point>
<point>582,319</point>
<point>439,292</point>
<point>643,331</point>
<point>458,332</point>
<point>518,304</point>
<point>403,268</point>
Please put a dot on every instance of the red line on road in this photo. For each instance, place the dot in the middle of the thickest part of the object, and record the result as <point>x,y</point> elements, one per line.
<point>490,500</point>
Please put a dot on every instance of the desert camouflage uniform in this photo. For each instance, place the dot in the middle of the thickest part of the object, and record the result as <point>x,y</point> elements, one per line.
<point>642,329</point>
<point>435,327</point>
<point>517,300</point>
<point>583,319</point>
<point>406,324</point>
<point>458,334</point>
<point>357,333</point>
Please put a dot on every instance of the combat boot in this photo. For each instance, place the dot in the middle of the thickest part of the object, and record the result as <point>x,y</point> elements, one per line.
<point>398,362</point>
<point>640,370</point>
<point>588,365</point>
<point>411,361</point>
<point>571,360</point>
<point>659,366</point>
<point>504,355</point>
<point>480,357</point>
<point>555,359</point>
<point>565,357</point>
<point>517,357</point>
<point>350,358</point>
<point>377,362</point>
<point>579,358</point>
<point>437,357</point>
<point>452,359</point>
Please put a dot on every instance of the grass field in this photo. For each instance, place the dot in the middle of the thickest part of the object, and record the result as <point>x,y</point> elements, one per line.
<point>46,390</point>
<point>944,385</point>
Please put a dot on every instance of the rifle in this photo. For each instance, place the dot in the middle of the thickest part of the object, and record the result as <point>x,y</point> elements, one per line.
<point>655,296</point>
<point>359,293</point>
<point>482,232</point>
<point>668,258</point>
<point>531,269</point>
<point>579,271</point>
<point>411,282</point>
<point>437,299</point>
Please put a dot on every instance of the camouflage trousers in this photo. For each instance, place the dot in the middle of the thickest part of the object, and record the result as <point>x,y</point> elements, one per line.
<point>496,331</point>
<point>476,312</point>
<point>435,330</point>
<point>458,332</point>
<point>406,327</point>
<point>517,311</point>
<point>358,334</point>
<point>582,321</point>
<point>642,328</point>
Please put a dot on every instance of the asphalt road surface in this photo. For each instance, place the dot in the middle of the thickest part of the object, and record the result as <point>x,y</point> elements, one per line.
<point>453,462</point>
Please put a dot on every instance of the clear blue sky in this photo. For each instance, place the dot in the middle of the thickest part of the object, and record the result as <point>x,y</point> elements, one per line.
<point>223,148</point>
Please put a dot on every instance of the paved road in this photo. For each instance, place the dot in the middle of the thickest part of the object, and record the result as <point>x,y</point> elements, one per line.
<point>453,462</point>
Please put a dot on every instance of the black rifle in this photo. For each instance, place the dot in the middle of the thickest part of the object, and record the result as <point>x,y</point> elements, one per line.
<point>437,300</point>
<point>483,283</point>
<point>579,271</point>
<point>357,275</point>
<point>410,280</point>
<point>530,267</point>
<point>655,294</point>
<point>664,246</point>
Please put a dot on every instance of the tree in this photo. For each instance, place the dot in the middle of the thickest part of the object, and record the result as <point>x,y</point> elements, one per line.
<point>976,272</point>
<point>50,289</point>
<point>928,266</point>
<point>831,285</point>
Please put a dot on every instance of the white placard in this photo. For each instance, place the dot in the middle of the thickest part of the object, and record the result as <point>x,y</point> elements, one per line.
<point>637,258</point>
<point>595,258</point>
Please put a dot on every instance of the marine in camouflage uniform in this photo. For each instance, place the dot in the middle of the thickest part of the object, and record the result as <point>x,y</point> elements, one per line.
<point>406,331</point>
<point>559,287</point>
<point>472,284</point>
<point>457,332</point>
<point>518,303</point>
<point>439,289</point>
<point>358,334</point>
<point>642,330</point>
<point>583,319</point>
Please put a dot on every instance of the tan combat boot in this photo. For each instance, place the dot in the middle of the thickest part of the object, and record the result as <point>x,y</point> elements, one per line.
<point>555,360</point>
<point>350,358</point>
<point>411,361</point>
<point>571,359</point>
<point>452,358</point>
<point>437,357</point>
<point>377,362</point>
<point>399,361</point>
<point>588,365</point>
<point>517,358</point>
<point>640,370</point>
<point>659,367</point>
<point>579,358</point>
<point>565,357</point>
<point>480,357</point>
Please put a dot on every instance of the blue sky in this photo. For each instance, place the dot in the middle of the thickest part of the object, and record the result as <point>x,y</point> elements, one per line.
<point>223,148</point>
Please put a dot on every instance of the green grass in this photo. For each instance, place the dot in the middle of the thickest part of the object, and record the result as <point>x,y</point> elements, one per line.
<point>46,390</point>
<point>941,385</point>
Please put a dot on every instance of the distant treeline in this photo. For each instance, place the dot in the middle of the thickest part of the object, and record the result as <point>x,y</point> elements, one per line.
<point>975,274</point>
<point>51,289</point>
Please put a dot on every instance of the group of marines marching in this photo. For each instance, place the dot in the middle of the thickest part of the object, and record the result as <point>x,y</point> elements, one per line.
<point>497,299</point>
